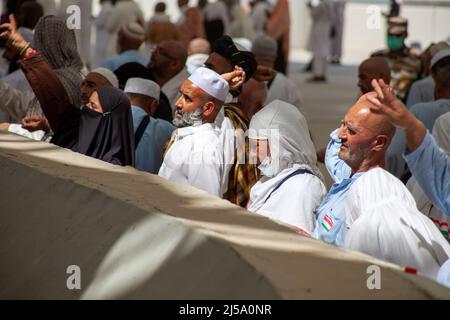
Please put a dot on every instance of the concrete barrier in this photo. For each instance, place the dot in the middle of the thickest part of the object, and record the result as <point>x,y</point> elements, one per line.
<point>136,236</point>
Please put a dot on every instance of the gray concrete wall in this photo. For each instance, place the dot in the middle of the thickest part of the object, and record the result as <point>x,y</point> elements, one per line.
<point>136,236</point>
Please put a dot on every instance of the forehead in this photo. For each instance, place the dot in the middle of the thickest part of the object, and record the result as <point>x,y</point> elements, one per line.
<point>190,89</point>
<point>359,116</point>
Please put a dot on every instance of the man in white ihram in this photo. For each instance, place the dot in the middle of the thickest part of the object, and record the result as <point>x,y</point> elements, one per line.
<point>194,154</point>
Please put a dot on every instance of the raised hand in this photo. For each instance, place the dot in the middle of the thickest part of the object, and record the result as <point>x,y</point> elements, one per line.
<point>9,31</point>
<point>388,104</point>
<point>235,78</point>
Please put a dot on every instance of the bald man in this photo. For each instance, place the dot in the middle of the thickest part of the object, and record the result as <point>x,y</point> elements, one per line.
<point>358,146</point>
<point>168,66</point>
<point>372,68</point>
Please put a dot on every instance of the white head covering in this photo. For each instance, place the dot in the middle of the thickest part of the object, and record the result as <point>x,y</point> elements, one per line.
<point>143,86</point>
<point>288,134</point>
<point>108,75</point>
<point>384,222</point>
<point>133,30</point>
<point>243,44</point>
<point>210,82</point>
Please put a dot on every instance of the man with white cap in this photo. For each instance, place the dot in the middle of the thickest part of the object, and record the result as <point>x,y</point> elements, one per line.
<point>150,134</point>
<point>129,39</point>
<point>280,87</point>
<point>291,187</point>
<point>194,154</point>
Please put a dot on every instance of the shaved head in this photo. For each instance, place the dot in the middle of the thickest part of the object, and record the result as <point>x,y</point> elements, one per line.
<point>365,136</point>
<point>373,68</point>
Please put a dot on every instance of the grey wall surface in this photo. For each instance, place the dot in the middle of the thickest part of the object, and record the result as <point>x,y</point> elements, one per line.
<point>136,236</point>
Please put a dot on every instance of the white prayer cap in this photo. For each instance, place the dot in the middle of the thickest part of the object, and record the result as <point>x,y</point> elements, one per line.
<point>243,44</point>
<point>108,75</point>
<point>210,82</point>
<point>265,45</point>
<point>143,86</point>
<point>133,30</point>
<point>439,56</point>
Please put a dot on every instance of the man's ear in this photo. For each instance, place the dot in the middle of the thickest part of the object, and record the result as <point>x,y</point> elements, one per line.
<point>381,143</point>
<point>153,107</point>
<point>209,109</point>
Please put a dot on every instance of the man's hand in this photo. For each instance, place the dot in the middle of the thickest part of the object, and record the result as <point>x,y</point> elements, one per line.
<point>35,123</point>
<point>235,78</point>
<point>388,104</point>
<point>9,31</point>
<point>264,73</point>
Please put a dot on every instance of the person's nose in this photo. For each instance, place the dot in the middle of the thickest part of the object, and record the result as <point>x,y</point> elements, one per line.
<point>341,134</point>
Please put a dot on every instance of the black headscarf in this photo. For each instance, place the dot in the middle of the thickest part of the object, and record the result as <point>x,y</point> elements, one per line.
<point>108,136</point>
<point>244,59</point>
<point>137,70</point>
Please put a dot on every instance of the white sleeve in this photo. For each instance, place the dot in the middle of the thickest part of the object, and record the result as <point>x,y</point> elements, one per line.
<point>17,129</point>
<point>203,170</point>
<point>14,102</point>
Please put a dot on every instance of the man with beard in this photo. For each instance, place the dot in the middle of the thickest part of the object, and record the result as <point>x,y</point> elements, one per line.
<point>194,154</point>
<point>358,146</point>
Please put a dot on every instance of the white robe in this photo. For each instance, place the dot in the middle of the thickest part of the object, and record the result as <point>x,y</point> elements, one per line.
<point>172,88</point>
<point>384,222</point>
<point>196,159</point>
<point>296,201</point>
<point>101,34</point>
<point>284,89</point>
<point>319,38</point>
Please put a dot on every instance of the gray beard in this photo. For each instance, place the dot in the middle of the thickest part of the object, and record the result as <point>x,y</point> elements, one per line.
<point>188,119</point>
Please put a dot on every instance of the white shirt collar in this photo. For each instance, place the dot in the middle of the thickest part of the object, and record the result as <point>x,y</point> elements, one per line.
<point>187,131</point>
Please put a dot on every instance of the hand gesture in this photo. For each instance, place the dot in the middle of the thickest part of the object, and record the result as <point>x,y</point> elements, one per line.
<point>388,104</point>
<point>235,78</point>
<point>9,31</point>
